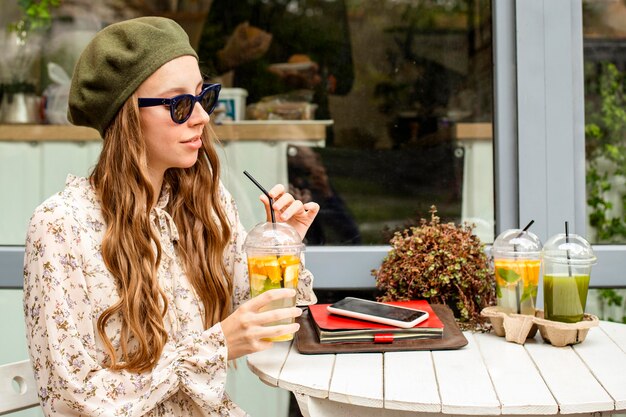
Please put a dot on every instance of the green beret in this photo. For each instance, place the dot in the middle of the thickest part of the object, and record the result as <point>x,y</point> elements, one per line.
<point>115,63</point>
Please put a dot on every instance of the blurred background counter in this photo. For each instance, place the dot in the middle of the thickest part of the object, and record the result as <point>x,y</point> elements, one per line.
<point>35,161</point>
<point>475,140</point>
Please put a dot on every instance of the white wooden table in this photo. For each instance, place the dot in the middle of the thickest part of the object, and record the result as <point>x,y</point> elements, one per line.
<point>489,376</point>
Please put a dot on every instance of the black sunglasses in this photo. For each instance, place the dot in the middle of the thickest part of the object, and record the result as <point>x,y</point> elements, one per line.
<point>182,106</point>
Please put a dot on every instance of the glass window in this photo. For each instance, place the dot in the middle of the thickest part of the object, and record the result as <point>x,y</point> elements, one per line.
<point>604,31</point>
<point>408,86</point>
<point>604,26</point>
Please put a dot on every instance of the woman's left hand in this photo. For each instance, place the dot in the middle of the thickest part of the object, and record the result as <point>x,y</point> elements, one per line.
<point>289,210</point>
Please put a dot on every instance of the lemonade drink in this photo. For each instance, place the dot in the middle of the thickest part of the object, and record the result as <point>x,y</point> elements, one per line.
<point>269,272</point>
<point>273,252</point>
<point>517,263</point>
<point>517,281</point>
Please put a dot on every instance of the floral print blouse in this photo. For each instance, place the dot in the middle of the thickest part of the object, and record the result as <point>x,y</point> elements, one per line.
<point>66,288</point>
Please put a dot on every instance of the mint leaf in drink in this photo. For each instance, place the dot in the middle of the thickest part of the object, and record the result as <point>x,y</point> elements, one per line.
<point>530,291</point>
<point>508,275</point>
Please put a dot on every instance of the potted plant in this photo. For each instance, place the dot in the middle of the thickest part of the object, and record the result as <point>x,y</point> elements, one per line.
<point>443,263</point>
<point>21,45</point>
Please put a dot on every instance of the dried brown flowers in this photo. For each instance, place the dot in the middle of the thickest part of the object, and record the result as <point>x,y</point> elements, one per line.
<point>443,263</point>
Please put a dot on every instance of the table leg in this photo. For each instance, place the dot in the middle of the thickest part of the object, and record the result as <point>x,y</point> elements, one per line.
<point>303,403</point>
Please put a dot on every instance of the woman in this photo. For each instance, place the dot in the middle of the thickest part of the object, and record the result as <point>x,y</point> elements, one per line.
<point>135,281</point>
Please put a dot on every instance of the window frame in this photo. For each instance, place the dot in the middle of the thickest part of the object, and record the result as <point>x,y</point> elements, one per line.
<point>539,145</point>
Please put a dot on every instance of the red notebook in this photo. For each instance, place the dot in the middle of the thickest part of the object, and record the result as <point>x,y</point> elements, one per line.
<point>332,328</point>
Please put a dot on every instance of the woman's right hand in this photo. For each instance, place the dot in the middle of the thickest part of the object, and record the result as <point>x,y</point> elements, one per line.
<point>244,329</point>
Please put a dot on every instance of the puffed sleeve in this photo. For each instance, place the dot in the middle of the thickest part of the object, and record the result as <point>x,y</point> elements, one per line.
<point>236,260</point>
<point>63,341</point>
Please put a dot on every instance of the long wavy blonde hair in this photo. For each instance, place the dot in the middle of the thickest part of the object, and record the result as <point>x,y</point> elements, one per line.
<point>126,194</point>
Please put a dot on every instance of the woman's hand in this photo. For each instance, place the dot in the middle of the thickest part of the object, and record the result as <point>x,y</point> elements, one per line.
<point>289,210</point>
<point>244,329</point>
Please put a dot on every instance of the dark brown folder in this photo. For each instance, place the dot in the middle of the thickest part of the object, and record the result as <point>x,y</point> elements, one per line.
<point>307,341</point>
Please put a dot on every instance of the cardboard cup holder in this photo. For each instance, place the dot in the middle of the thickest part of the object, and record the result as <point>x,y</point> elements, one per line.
<point>519,327</point>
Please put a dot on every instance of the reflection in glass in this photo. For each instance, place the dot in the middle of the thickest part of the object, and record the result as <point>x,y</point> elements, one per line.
<point>408,85</point>
<point>604,31</point>
<point>604,26</point>
<point>422,68</point>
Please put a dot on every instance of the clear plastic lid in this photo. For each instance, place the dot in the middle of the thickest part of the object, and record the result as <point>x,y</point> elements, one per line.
<point>573,249</point>
<point>515,243</point>
<point>279,238</point>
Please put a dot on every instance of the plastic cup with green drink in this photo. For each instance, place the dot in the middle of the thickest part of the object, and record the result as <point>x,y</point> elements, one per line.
<point>566,261</point>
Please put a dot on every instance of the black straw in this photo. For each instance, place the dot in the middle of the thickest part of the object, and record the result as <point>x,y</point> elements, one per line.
<point>264,192</point>
<point>517,285</point>
<point>526,228</point>
<point>569,267</point>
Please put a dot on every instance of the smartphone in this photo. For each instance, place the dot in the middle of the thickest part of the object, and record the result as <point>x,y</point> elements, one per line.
<point>378,312</point>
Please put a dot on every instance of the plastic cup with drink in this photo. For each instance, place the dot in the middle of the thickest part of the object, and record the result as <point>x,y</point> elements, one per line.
<point>273,251</point>
<point>517,262</point>
<point>567,260</point>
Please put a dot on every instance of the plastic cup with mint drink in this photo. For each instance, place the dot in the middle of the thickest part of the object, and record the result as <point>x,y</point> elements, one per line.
<point>517,262</point>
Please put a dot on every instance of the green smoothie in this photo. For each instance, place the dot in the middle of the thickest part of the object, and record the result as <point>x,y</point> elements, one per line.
<point>565,297</point>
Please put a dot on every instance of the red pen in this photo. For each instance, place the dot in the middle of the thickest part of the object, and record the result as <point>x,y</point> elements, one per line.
<point>383,338</point>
